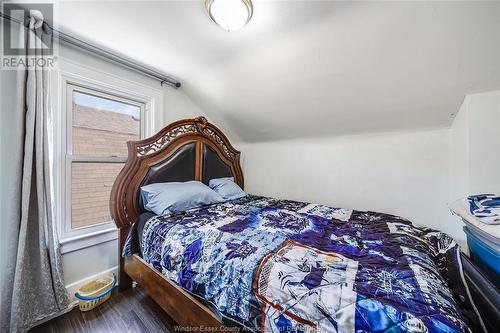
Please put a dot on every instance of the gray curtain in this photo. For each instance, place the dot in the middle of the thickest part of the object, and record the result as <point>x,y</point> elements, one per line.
<point>33,287</point>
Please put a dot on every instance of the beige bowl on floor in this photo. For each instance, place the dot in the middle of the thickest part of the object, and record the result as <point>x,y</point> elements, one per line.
<point>95,292</point>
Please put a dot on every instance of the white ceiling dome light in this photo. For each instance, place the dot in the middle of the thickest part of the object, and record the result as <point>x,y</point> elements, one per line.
<point>230,15</point>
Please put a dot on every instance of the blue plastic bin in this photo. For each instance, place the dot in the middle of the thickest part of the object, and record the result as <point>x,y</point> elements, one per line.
<point>484,256</point>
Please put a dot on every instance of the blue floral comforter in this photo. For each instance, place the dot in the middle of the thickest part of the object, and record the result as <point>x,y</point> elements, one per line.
<point>278,265</point>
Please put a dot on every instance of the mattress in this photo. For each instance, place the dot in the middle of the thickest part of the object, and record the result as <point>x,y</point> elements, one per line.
<point>134,239</point>
<point>279,265</point>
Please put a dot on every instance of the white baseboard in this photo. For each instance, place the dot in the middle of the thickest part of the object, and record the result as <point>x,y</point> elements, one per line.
<point>73,287</point>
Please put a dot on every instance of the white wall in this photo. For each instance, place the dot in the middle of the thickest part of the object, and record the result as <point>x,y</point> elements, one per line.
<point>459,155</point>
<point>178,106</point>
<point>399,173</point>
<point>81,265</point>
<point>475,148</point>
<point>484,145</point>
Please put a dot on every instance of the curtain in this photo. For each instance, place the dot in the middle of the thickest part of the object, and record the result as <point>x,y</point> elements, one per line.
<point>33,286</point>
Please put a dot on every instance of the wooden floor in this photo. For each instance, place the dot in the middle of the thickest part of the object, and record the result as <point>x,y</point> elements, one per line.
<point>129,311</point>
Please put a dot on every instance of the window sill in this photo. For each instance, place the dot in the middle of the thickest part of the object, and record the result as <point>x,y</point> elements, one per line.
<point>80,242</point>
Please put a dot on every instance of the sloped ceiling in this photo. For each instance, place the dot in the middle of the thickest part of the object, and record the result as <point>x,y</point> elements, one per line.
<point>310,68</point>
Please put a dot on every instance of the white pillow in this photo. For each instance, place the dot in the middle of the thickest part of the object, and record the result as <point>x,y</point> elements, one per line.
<point>227,188</point>
<point>175,197</point>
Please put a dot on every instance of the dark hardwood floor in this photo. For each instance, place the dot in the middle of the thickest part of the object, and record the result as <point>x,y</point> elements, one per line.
<point>129,311</point>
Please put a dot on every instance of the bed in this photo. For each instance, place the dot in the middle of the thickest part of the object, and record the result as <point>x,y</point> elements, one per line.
<point>263,264</point>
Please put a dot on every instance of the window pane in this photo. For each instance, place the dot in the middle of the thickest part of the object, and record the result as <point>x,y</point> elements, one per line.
<point>91,187</point>
<point>101,126</point>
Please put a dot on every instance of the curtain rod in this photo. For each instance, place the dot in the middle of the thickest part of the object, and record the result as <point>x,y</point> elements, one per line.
<point>107,54</point>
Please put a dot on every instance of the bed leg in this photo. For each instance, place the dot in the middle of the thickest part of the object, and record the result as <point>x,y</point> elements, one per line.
<point>124,281</point>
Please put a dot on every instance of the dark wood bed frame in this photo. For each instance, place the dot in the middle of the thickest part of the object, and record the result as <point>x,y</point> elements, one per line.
<point>125,206</point>
<point>151,156</point>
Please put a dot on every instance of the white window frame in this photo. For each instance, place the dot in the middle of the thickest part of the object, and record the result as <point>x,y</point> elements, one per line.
<point>68,229</point>
<point>73,76</point>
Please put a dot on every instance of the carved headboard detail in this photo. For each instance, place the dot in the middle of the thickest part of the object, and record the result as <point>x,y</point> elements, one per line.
<point>189,149</point>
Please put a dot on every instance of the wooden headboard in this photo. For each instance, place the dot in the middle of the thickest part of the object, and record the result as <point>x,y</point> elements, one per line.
<point>189,149</point>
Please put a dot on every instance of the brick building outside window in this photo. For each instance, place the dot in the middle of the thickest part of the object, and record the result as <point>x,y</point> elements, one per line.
<point>100,126</point>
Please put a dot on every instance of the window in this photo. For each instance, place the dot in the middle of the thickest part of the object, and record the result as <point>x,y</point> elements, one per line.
<point>95,112</point>
<point>99,125</point>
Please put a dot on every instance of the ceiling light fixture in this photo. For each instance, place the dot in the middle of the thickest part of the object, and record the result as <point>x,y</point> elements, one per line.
<point>230,15</point>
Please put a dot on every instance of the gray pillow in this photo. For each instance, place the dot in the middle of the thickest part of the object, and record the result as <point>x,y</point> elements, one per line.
<point>227,188</point>
<point>175,197</point>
